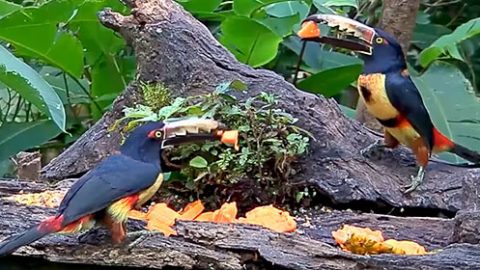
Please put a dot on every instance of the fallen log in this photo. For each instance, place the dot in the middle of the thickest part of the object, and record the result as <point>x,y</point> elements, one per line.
<point>202,245</point>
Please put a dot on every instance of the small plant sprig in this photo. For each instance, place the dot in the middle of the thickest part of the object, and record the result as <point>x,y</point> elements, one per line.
<point>269,143</point>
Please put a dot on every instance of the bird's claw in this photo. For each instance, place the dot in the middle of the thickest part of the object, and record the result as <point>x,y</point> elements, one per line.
<point>415,181</point>
<point>413,185</point>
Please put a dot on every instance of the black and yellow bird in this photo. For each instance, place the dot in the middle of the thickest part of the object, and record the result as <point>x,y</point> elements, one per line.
<point>119,183</point>
<point>388,91</point>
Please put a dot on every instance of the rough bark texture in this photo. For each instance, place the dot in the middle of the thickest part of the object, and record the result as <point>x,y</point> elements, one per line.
<point>453,242</point>
<point>398,18</point>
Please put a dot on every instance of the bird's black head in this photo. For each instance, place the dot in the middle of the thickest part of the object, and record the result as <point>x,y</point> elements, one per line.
<point>380,51</point>
<point>146,141</point>
<point>387,55</point>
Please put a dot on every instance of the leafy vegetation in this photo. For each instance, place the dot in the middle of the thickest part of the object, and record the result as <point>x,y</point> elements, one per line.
<point>269,145</point>
<point>60,69</point>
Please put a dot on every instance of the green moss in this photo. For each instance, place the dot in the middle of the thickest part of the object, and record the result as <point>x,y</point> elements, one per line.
<point>155,96</point>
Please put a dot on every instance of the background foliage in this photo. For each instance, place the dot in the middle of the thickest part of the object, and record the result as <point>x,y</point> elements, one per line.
<point>60,69</point>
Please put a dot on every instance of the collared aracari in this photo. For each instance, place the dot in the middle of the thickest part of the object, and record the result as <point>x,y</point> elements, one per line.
<point>119,183</point>
<point>388,91</point>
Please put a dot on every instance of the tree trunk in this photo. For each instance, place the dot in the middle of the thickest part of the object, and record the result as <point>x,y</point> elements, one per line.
<point>398,18</point>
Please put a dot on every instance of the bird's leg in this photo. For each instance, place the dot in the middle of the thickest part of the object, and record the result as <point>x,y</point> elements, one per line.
<point>373,149</point>
<point>416,180</point>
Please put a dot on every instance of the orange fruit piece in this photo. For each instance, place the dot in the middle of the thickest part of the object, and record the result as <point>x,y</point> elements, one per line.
<point>206,216</point>
<point>403,247</point>
<point>365,241</point>
<point>271,218</point>
<point>161,213</point>
<point>309,30</point>
<point>192,210</point>
<point>138,215</point>
<point>226,214</point>
<point>156,225</point>
<point>231,137</point>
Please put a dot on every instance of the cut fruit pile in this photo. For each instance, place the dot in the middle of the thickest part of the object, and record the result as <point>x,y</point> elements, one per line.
<point>161,218</point>
<point>365,241</point>
<point>49,198</point>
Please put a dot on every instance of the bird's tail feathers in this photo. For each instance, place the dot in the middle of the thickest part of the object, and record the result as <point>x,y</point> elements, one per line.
<point>466,153</point>
<point>11,244</point>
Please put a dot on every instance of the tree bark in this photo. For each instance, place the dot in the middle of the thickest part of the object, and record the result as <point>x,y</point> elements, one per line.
<point>202,245</point>
<point>398,18</point>
<point>174,48</point>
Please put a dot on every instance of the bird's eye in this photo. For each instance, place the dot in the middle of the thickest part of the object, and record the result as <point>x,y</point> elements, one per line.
<point>158,134</point>
<point>379,40</point>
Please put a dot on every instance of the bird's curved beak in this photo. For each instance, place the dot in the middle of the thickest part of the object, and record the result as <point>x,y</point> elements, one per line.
<point>355,35</point>
<point>182,131</point>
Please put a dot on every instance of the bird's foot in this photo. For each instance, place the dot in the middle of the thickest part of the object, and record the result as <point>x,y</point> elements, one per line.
<point>413,185</point>
<point>374,150</point>
<point>140,236</point>
<point>416,181</point>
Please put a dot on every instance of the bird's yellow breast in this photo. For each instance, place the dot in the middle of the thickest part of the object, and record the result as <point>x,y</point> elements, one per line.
<point>119,209</point>
<point>371,89</point>
<point>145,195</point>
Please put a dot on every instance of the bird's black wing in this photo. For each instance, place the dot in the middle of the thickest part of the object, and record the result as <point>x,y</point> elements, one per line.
<point>115,177</point>
<point>405,97</point>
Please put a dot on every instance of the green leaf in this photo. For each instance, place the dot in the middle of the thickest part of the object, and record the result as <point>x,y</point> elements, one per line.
<point>331,82</point>
<point>198,162</point>
<point>336,3</point>
<point>289,8</point>
<point>256,47</point>
<point>247,7</point>
<point>453,106</point>
<point>238,85</point>
<point>102,46</point>
<point>107,80</point>
<point>97,39</point>
<point>281,26</point>
<point>422,17</point>
<point>447,44</point>
<point>15,137</point>
<point>34,31</point>
<point>195,6</point>
<point>28,83</point>
<point>7,8</point>
<point>56,78</point>
<point>425,34</point>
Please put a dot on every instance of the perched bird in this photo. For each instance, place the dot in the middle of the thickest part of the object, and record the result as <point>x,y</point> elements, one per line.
<point>388,91</point>
<point>119,183</point>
